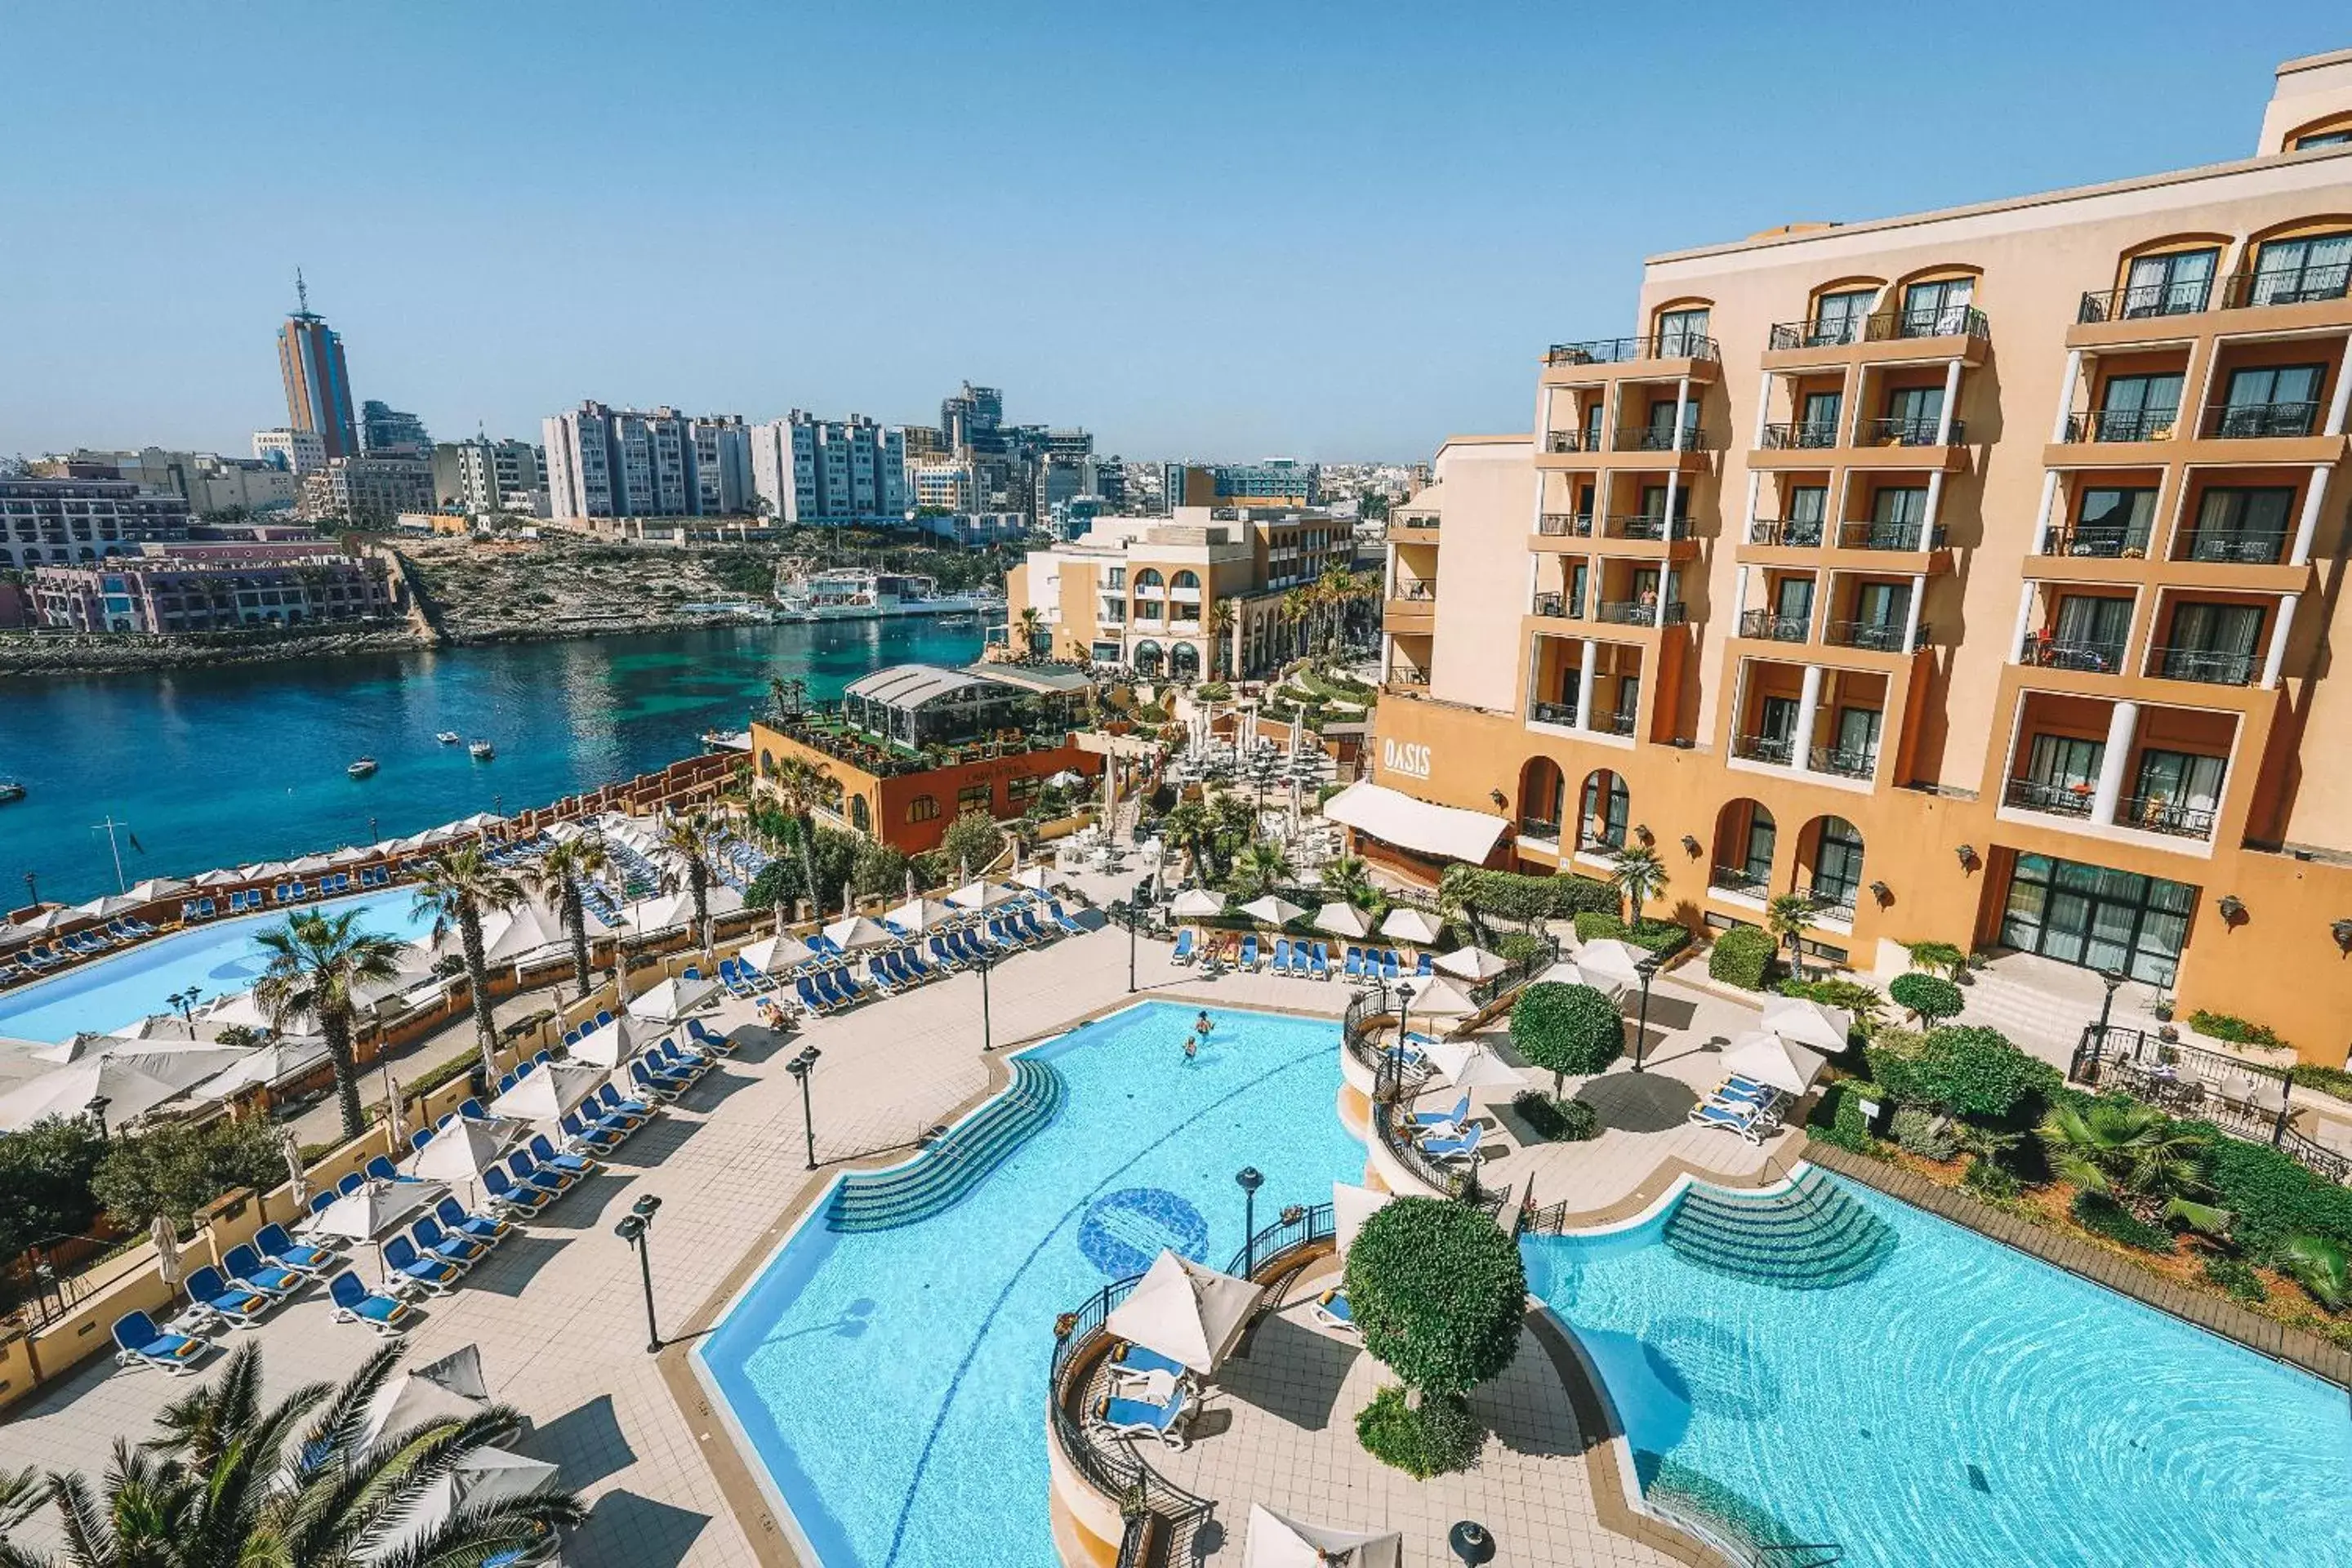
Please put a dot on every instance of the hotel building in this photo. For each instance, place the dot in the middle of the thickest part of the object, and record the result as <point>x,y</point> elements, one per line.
<point>317,382</point>
<point>1974,572</point>
<point>216,586</point>
<point>63,520</point>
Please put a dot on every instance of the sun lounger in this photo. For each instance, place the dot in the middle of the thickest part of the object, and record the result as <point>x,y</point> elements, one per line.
<point>1038,931</point>
<point>1354,968</point>
<point>1424,967</point>
<point>488,1229</point>
<point>214,1298</point>
<point>847,984</point>
<point>1391,968</point>
<point>1450,1118</point>
<point>139,1342</point>
<point>616,1106</point>
<point>514,1198</point>
<point>804,990</point>
<point>1320,962</point>
<point>1463,1146</point>
<point>1331,1310</point>
<point>355,1303</point>
<point>731,975</point>
<point>1249,953</point>
<point>711,1043</point>
<point>407,1273</point>
<point>435,1242</point>
<point>1137,1361</point>
<point>1121,1417</point>
<point>1073,928</point>
<point>599,1137</point>
<point>382,1169</point>
<point>286,1252</point>
<point>878,975</point>
<point>530,1173</point>
<point>910,964</point>
<point>1185,952</point>
<point>1748,1123</point>
<point>1281,955</point>
<point>942,955</point>
<point>246,1267</point>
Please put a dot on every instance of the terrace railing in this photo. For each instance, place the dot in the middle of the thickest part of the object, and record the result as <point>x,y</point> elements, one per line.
<point>2212,667</point>
<point>1772,626</point>
<point>2146,301</point>
<point>1800,435</point>
<point>1895,431</point>
<point>2256,421</point>
<point>1112,1468</point>
<point>2238,546</point>
<point>2123,425</point>
<point>1565,524</point>
<point>2063,653</point>
<point>1787,533</point>
<point>1661,438</point>
<point>1638,612</point>
<point>1872,637</point>
<point>2041,794</point>
<point>2287,285</point>
<point>1624,350</point>
<point>2247,1100</point>
<point>1777,750</point>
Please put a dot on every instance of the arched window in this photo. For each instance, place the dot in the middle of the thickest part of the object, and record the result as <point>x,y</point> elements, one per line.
<point>1837,866</point>
<point>1148,581</point>
<point>2302,261</point>
<point>1542,792</point>
<point>1838,314</point>
<point>1185,579</point>
<point>860,817</point>
<point>1937,302</point>
<point>766,763</point>
<point>923,808</point>
<point>1682,328</point>
<point>2170,277</point>
<point>1606,807</point>
<point>1146,657</point>
<point>1183,661</point>
<point>1745,838</point>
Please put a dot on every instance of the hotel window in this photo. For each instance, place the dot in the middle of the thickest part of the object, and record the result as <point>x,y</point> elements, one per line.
<point>2064,763</point>
<point>1020,792</point>
<point>2245,525</point>
<point>2272,400</point>
<point>1682,334</point>
<point>1838,318</point>
<point>2113,521</point>
<point>2322,138</point>
<point>2290,271</point>
<point>1896,514</point>
<point>1914,414</point>
<point>1837,869</point>
<point>2138,407</point>
<point>923,808</point>
<point>981,796</point>
<point>1808,505</point>
<point>2177,283</point>
<point>1939,308</point>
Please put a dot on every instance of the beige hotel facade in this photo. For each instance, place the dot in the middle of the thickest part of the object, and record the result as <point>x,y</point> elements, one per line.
<point>1978,571</point>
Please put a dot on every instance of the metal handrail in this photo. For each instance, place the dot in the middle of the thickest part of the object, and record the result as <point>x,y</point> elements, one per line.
<point>1816,334</point>
<point>1116,1471</point>
<point>2155,814</point>
<point>1801,435</point>
<point>2123,425</point>
<point>2098,543</point>
<point>2150,1066</point>
<point>1894,430</point>
<point>1610,721</point>
<point>1565,524</point>
<point>1633,612</point>
<point>2145,301</point>
<point>1735,879</point>
<point>2258,421</point>
<point>2238,546</point>
<point>1572,441</point>
<point>1864,535</point>
<point>1538,828</point>
<point>1787,533</point>
<point>1560,713</point>
<point>1642,526</point>
<point>1769,625</point>
<point>1872,637</point>
<point>1777,750</point>
<point>1559,606</point>
<point>1624,350</point>
<point>1836,906</point>
<point>1844,764</point>
<point>2212,667</point>
<point>1944,322</point>
<point>1300,1225</point>
<point>2286,286</point>
<point>2043,651</point>
<point>1661,438</point>
<point>2039,795</point>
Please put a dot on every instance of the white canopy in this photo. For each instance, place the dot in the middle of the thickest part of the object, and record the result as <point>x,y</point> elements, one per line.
<point>1448,832</point>
<point>225,877</point>
<point>1471,963</point>
<point>349,855</point>
<point>1274,911</point>
<point>612,1044</point>
<point>245,1010</point>
<point>1185,1310</point>
<point>155,887</point>
<point>375,1208</point>
<point>307,865</point>
<point>280,1058</point>
<point>1468,1066</point>
<point>981,895</point>
<point>484,1477</point>
<point>672,999</point>
<point>856,931</point>
<point>1342,919</point>
<point>1809,1023</point>
<point>1439,999</point>
<point>1350,1208</point>
<point>1036,878</point>
<point>546,1091</point>
<point>450,1389</point>
<point>478,821</point>
<point>770,954</point>
<point>1565,973</point>
<point>523,933</point>
<point>918,915</point>
<point>662,914</point>
<point>107,906</point>
<point>718,898</point>
<point>1276,1542</point>
<point>458,1152</point>
<point>132,1082</point>
<point>1768,1058</point>
<point>1612,960</point>
<point>1195,903</point>
<point>1406,923</point>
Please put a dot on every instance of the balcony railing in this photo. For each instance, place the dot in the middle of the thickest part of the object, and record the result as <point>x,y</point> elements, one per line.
<point>1845,764</point>
<point>2287,286</point>
<point>2154,814</point>
<point>1891,431</point>
<point>1736,879</point>
<point>2257,421</point>
<point>1537,827</point>
<point>1560,713</point>
<point>1777,750</point>
<point>1832,902</point>
<point>1635,613</point>
<point>2101,544</point>
<point>1415,590</point>
<point>1611,721</point>
<point>1800,435</point>
<point>2123,425</point>
<point>1873,637</point>
<point>1622,351</point>
<point>2214,666</point>
<point>2238,546</point>
<point>1640,525</point>
<point>1572,441</point>
<point>1772,626</point>
<point>1946,321</point>
<point>2147,300</point>
<point>1816,334</point>
<point>1788,532</point>
<point>1661,438</point>
<point>1868,535</point>
<point>2055,799</point>
<point>1565,524</point>
<point>2045,652</point>
<point>1562,606</point>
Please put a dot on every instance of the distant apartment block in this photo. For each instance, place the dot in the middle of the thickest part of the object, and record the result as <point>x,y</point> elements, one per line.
<point>973,528</point>
<point>295,451</point>
<point>207,482</point>
<point>1277,482</point>
<point>318,384</point>
<point>812,471</point>
<point>608,462</point>
<point>483,476</point>
<point>948,484</point>
<point>368,493</point>
<point>67,520</point>
<point>385,430</point>
<point>214,588</point>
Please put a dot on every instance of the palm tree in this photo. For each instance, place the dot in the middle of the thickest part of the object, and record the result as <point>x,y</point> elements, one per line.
<point>1262,867</point>
<point>1332,592</point>
<point>1224,647</point>
<point>317,962</point>
<point>2134,1154</point>
<point>690,837</point>
<point>457,889</point>
<point>1190,828</point>
<point>1347,880</point>
<point>1236,823</point>
<point>804,785</point>
<point>1639,876</point>
<point>1298,609</point>
<point>1789,918</point>
<point>2320,1266</point>
<point>231,1483</point>
<point>559,875</point>
<point>1033,627</point>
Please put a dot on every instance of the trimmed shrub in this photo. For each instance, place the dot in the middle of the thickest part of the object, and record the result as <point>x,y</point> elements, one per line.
<point>2235,1276</point>
<point>1976,1072</point>
<point>1924,1133</point>
<point>1554,1119</point>
<point>1937,958</point>
<point>45,1173</point>
<point>1926,997</point>
<point>2230,1027</point>
<point>1567,1029</point>
<point>2326,1080</point>
<point>1518,946</point>
<point>1509,896</point>
<point>2102,1215</point>
<point>1837,1115</point>
<point>174,1168</point>
<point>1742,956</point>
<point>1988,1180</point>
<point>1663,938</point>
<point>1437,1290</point>
<point>1438,1438</point>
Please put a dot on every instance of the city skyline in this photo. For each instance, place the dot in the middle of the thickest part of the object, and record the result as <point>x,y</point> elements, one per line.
<point>1336,243</point>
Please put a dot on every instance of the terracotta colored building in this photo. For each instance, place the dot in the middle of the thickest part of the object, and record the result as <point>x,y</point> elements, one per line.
<point>1973,570</point>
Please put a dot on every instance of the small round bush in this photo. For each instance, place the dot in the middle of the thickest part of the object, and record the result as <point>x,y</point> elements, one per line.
<point>1929,997</point>
<point>1440,1438</point>
<point>1578,1122</point>
<point>1977,1072</point>
<point>1438,1292</point>
<point>1556,1120</point>
<point>1924,1133</point>
<point>1741,956</point>
<point>1567,1029</point>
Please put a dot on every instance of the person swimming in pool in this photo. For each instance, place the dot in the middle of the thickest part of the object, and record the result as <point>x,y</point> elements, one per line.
<point>1201,1026</point>
<point>1192,1051</point>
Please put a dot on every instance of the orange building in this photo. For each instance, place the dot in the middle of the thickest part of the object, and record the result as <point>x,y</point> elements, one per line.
<point>1975,571</point>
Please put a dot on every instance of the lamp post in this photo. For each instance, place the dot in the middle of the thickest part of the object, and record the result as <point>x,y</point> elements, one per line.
<point>1249,1181</point>
<point>985,1036</point>
<point>799,1067</point>
<point>1396,1053</point>
<point>2114,980</point>
<point>32,889</point>
<point>97,1109</point>
<point>186,1002</point>
<point>1647,969</point>
<point>633,1228</point>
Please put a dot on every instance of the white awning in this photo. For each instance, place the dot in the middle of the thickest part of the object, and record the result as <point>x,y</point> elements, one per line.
<point>1447,832</point>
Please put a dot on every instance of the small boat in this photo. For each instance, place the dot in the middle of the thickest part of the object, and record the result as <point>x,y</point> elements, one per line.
<point>448,737</point>
<point>10,790</point>
<point>361,768</point>
<point>482,751</point>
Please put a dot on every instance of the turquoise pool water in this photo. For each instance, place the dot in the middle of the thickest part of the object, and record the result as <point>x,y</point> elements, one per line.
<point>893,1382</point>
<point>1961,1404</point>
<point>220,959</point>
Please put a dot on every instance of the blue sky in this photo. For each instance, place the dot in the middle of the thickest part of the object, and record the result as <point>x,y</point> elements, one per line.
<point>1335,231</point>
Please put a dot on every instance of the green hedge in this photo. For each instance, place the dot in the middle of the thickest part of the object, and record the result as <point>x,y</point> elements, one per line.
<point>1513,897</point>
<point>1554,1119</point>
<point>1742,957</point>
<point>2230,1027</point>
<point>2326,1080</point>
<point>1663,938</point>
<point>1439,1438</point>
<point>2268,1196</point>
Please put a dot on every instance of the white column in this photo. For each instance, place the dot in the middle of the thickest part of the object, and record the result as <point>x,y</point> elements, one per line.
<point>1860,379</point>
<point>1951,402</point>
<point>2025,622</point>
<point>1755,494</point>
<point>2281,625</point>
<point>1809,708</point>
<point>1665,592</point>
<point>2314,495</point>
<point>2065,400</point>
<point>2336,402</point>
<point>1739,599</point>
<point>1590,657</point>
<point>1763,408</point>
<point>1911,613</point>
<point>2121,725</point>
<point>1682,407</point>
<point>2042,517</point>
<point>1934,507</point>
<point>1674,488</point>
<point>1607,393</point>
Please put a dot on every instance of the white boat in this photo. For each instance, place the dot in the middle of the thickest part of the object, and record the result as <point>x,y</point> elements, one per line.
<point>482,751</point>
<point>10,790</point>
<point>361,768</point>
<point>448,737</point>
<point>859,594</point>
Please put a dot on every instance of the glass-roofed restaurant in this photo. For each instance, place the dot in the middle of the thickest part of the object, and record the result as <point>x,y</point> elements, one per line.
<point>928,705</point>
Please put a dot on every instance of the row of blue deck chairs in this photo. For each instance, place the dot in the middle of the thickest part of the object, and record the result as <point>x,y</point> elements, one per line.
<point>65,950</point>
<point>831,979</point>
<point>738,861</point>
<point>1299,957</point>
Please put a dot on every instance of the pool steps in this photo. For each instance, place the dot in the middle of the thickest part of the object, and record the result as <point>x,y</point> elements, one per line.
<point>938,1177</point>
<point>1809,1236</point>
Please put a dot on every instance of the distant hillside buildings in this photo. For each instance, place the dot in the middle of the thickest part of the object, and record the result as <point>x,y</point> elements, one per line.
<point>604,462</point>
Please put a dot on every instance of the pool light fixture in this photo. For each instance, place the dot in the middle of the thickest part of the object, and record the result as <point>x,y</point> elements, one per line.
<point>633,1228</point>
<point>1471,1543</point>
<point>1647,968</point>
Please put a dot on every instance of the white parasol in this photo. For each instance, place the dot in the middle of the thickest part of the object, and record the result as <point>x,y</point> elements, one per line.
<point>771,954</point>
<point>856,931</point>
<point>610,1044</point>
<point>1185,1310</point>
<point>460,1151</point>
<point>1036,878</point>
<point>1343,920</point>
<point>982,895</point>
<point>918,915</point>
<point>131,1082</point>
<point>1767,1057</point>
<point>1272,910</point>
<point>1809,1023</point>
<point>1471,963</point>
<point>1440,999</point>
<point>1196,903</point>
<point>1467,1066</point>
<point>375,1208</point>
<point>166,1242</point>
<point>1615,962</point>
<point>546,1092</point>
<point>450,1389</point>
<point>1276,1542</point>
<point>1406,923</point>
<point>1350,1208</point>
<point>672,999</point>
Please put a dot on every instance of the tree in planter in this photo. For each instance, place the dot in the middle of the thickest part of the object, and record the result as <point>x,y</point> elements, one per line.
<point>1928,998</point>
<point>1190,830</point>
<point>1639,876</point>
<point>1438,1291</point>
<point>1975,1072</point>
<point>315,966</point>
<point>690,838</point>
<point>1568,1029</point>
<point>1937,958</point>
<point>804,785</point>
<point>1789,918</point>
<point>2135,1156</point>
<point>457,889</point>
<point>560,875</point>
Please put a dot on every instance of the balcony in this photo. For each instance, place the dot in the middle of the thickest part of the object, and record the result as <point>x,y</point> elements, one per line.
<point>1887,326</point>
<point>1800,435</point>
<point>1560,606</point>
<point>2287,286</point>
<point>1832,903</point>
<point>1573,441</point>
<point>1625,350</point>
<point>1785,532</point>
<point>1768,626</point>
<point>1635,613</point>
<point>1893,431</point>
<point>1565,524</point>
<point>1736,879</point>
<point>2145,302</point>
<point>1844,764</point>
<point>1640,525</point>
<point>2043,652</point>
<point>1872,637</point>
<point>1659,438</point>
<point>1898,536</point>
<point>2239,547</point>
<point>2212,667</point>
<point>2154,814</point>
<point>1777,751</point>
<point>1413,591</point>
<point>1560,713</point>
<point>1537,827</point>
<point>2123,425</point>
<point>2262,421</point>
<point>2050,799</point>
<point>1612,722</point>
<point>2098,543</point>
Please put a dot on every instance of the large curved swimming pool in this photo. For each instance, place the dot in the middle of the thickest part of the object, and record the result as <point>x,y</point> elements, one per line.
<point>891,1383</point>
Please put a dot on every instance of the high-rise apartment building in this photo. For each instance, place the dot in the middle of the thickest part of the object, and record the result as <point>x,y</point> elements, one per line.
<point>723,466</point>
<point>608,462</point>
<point>367,492</point>
<point>970,419</point>
<point>823,471</point>
<point>486,475</point>
<point>295,451</point>
<point>318,384</point>
<point>1970,572</point>
<point>385,430</point>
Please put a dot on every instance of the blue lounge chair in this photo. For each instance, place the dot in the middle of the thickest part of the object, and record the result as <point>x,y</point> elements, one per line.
<point>321,1202</point>
<point>1301,959</point>
<point>1449,1120</point>
<point>1391,970</point>
<point>805,988</point>
<point>619,1108</point>
<point>139,1342</point>
<point>435,1242</point>
<point>941,955</point>
<point>1140,1419</point>
<point>847,986</point>
<point>878,975</point>
<point>1748,1122</point>
<point>911,965</point>
<point>1354,968</point>
<point>1331,1309</point>
<point>355,1303</point>
<point>506,1195</point>
<point>383,1170</point>
<point>1320,962</point>
<point>246,1267</point>
<point>1037,931</point>
<point>713,1044</point>
<point>406,1273</point>
<point>661,1087</point>
<point>350,1184</point>
<point>1424,968</point>
<point>215,1298</point>
<point>1062,918</point>
<point>1249,952</point>
<point>1134,1358</point>
<point>418,1139</point>
<point>1463,1145</point>
<point>1282,955</point>
<point>600,1137</point>
<point>488,1229</point>
<point>530,1173</point>
<point>731,974</point>
<point>287,1253</point>
<point>547,1154</point>
<point>1185,952</point>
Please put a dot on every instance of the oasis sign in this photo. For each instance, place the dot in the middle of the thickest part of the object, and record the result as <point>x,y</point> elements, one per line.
<point>1404,757</point>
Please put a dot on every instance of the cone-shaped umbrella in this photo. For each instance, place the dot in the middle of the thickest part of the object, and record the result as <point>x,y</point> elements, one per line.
<point>1769,1058</point>
<point>1565,973</point>
<point>1185,1310</point>
<point>1441,999</point>
<point>1276,1542</point>
<point>166,1242</point>
<point>770,955</point>
<point>1272,911</point>
<point>547,1092</point>
<point>1343,920</point>
<point>450,1389</point>
<point>858,931</point>
<point>1036,878</point>
<point>672,999</point>
<point>1471,963</point>
<point>458,1152</point>
<point>1406,923</point>
<point>610,1044</point>
<point>132,1083</point>
<point>919,915</point>
<point>1196,903</point>
<point>1350,1208</point>
<point>1809,1023</point>
<point>981,895</point>
<point>1466,1066</point>
<point>375,1208</point>
<point>1614,961</point>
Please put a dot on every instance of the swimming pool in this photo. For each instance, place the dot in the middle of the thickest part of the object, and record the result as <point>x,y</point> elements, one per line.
<point>1924,1395</point>
<point>892,1381</point>
<point>221,959</point>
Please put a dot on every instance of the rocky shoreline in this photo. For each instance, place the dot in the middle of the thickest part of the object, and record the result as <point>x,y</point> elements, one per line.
<point>23,655</point>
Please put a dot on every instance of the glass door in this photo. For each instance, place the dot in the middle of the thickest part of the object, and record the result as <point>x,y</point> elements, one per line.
<point>1879,611</point>
<point>1818,423</point>
<point>1838,318</point>
<point>1808,505</point>
<point>2272,400</point>
<point>1763,837</point>
<point>1682,334</point>
<point>2091,634</point>
<point>2177,284</point>
<point>2290,271</point>
<point>1576,579</point>
<point>2177,791</point>
<point>2137,408</point>
<point>1604,818</point>
<point>2097,918</point>
<point>1938,309</point>
<point>1837,869</point>
<point>2215,643</point>
<point>1792,610</point>
<point>1897,518</point>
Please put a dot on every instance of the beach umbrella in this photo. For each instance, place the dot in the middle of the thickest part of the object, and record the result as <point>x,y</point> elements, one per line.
<point>481,821</point>
<point>450,1389</point>
<point>1342,919</point>
<point>298,1175</point>
<point>672,999</point>
<point>1618,961</point>
<point>166,1242</point>
<point>1186,1310</point>
<point>307,866</point>
<point>245,1010</point>
<point>482,1479</point>
<point>1471,963</point>
<point>108,906</point>
<point>1808,1022</point>
<point>1350,1208</point>
<point>1468,1066</point>
<point>224,878</point>
<point>546,1093</point>
<point>771,954</point>
<point>349,855</point>
<point>1276,1542</point>
<point>132,1082</point>
<point>1068,778</point>
<point>610,1044</point>
<point>1406,923</point>
<point>918,915</point>
<point>523,933</point>
<point>1272,911</point>
<point>395,1117</point>
<point>262,871</point>
<point>1566,972</point>
<point>661,914</point>
<point>980,896</point>
<point>459,1150</point>
<point>1767,1057</point>
<point>155,887</point>
<point>375,1208</point>
<point>267,1063</point>
<point>1196,903</point>
<point>1441,999</point>
<point>856,931</point>
<point>1035,878</point>
<point>718,898</point>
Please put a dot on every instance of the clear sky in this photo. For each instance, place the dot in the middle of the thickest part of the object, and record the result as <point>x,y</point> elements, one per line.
<point>1336,231</point>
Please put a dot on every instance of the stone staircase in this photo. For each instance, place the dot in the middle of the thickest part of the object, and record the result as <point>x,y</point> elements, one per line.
<point>943,1174</point>
<point>1810,1235</point>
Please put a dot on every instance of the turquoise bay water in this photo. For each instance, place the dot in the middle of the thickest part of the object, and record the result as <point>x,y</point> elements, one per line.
<point>1964,1406</point>
<point>218,767</point>
<point>893,1383</point>
<point>220,960</point>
